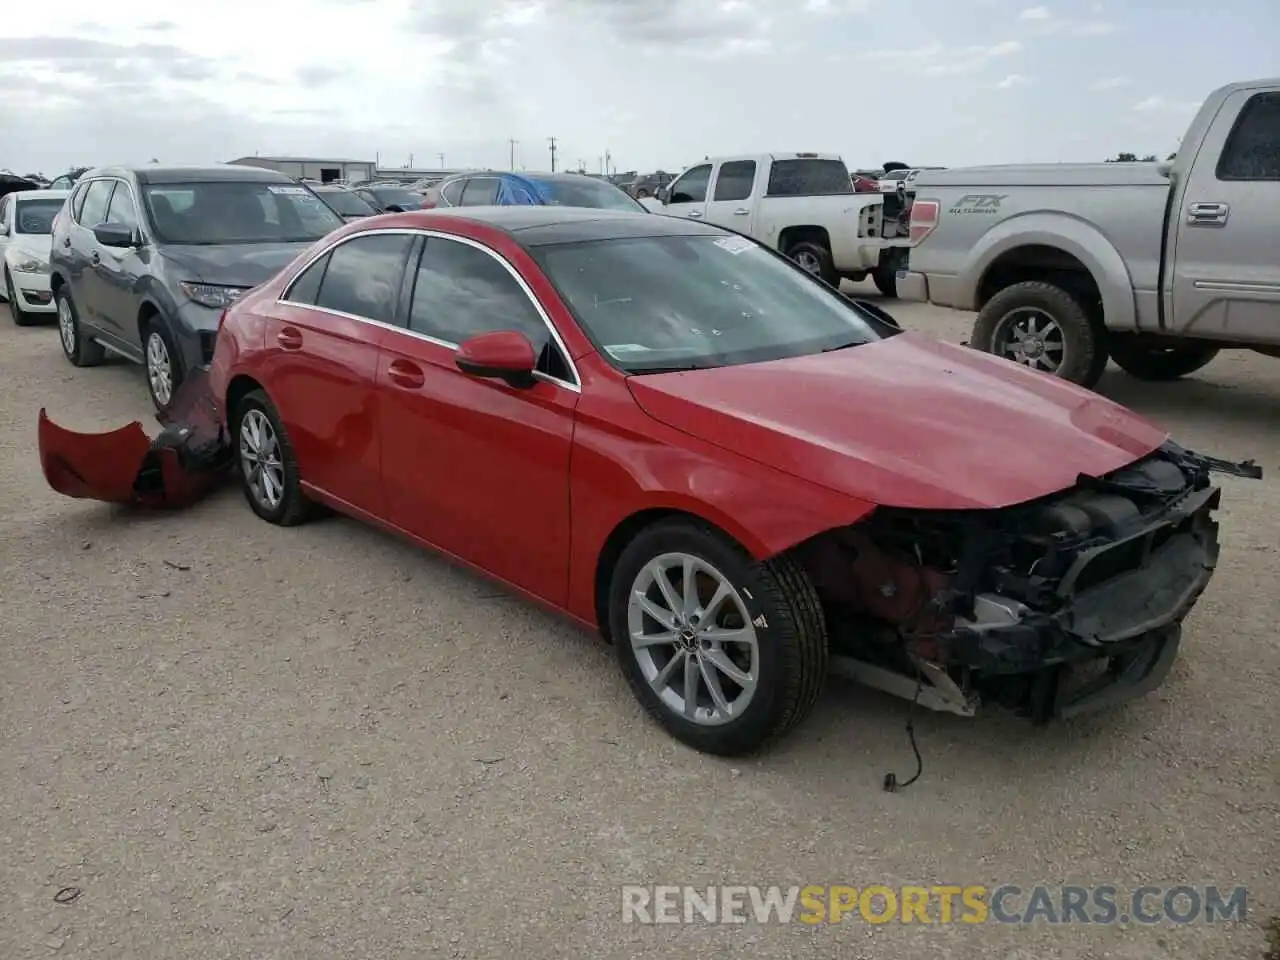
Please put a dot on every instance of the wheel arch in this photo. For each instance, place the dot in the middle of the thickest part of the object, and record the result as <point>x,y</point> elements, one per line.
<point>240,386</point>
<point>812,232</point>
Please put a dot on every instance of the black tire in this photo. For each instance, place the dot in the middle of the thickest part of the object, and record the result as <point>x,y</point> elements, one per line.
<point>81,351</point>
<point>1084,338</point>
<point>20,317</point>
<point>156,327</point>
<point>886,280</point>
<point>1159,363</point>
<point>819,256</point>
<point>792,642</point>
<point>294,507</point>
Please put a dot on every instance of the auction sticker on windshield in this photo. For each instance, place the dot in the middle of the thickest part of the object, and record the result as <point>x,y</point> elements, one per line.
<point>734,245</point>
<point>288,191</point>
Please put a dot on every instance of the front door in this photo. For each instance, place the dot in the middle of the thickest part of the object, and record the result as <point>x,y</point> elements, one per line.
<point>476,467</point>
<point>730,204</point>
<point>688,195</point>
<point>322,357</point>
<point>118,269</point>
<point>1226,258</point>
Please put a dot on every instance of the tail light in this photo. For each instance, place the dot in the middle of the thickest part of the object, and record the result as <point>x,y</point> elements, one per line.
<point>924,218</point>
<point>222,318</point>
<point>865,185</point>
<point>428,204</point>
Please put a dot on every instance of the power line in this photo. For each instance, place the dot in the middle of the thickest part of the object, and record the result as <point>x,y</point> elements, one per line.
<point>552,142</point>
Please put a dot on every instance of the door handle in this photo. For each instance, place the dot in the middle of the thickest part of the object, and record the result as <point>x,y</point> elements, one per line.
<point>66,241</point>
<point>695,214</point>
<point>741,212</point>
<point>1208,214</point>
<point>405,374</point>
<point>289,339</point>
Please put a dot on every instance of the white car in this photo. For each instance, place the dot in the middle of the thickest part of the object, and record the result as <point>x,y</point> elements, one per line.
<point>26,228</point>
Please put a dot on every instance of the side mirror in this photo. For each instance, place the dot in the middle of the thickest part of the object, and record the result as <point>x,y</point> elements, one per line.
<point>113,235</point>
<point>503,355</point>
<point>663,194</point>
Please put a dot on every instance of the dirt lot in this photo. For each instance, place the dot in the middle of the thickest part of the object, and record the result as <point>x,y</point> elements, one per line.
<point>239,741</point>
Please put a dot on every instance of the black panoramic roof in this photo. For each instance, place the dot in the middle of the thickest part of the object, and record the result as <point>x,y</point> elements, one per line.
<point>536,226</point>
<point>223,172</point>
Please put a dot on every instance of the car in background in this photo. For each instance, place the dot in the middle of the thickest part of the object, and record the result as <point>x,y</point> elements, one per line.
<point>26,228</point>
<point>145,259</point>
<point>645,423</point>
<point>649,184</point>
<point>389,197</point>
<point>493,188</point>
<point>344,201</point>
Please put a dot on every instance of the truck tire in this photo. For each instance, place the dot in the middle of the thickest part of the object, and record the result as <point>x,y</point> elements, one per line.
<point>886,280</point>
<point>1158,362</point>
<point>813,257</point>
<point>1042,326</point>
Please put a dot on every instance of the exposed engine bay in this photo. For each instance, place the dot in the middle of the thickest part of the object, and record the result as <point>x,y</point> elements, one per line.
<point>1051,608</point>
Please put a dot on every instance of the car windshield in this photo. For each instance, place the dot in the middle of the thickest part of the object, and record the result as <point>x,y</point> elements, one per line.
<point>586,192</point>
<point>229,211</point>
<point>398,197</point>
<point>36,216</point>
<point>654,304</point>
<point>346,203</point>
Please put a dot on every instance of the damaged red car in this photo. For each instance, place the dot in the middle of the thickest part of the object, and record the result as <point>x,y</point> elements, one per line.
<point>741,477</point>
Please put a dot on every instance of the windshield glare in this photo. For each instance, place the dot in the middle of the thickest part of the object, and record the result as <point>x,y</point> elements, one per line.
<point>659,303</point>
<point>35,216</point>
<point>587,193</point>
<point>397,197</point>
<point>224,212</point>
<point>346,203</point>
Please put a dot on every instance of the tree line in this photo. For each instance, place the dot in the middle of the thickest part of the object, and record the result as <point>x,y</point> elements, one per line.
<point>1134,158</point>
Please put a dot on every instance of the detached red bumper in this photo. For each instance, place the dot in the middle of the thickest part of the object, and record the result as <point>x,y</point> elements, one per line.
<point>181,465</point>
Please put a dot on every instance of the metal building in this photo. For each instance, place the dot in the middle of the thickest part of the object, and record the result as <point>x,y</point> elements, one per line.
<point>313,168</point>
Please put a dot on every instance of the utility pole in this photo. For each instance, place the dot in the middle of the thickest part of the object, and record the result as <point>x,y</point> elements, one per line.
<point>410,166</point>
<point>441,156</point>
<point>608,161</point>
<point>552,142</point>
<point>513,144</point>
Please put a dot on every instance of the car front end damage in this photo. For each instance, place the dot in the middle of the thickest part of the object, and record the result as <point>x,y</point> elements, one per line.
<point>1053,608</point>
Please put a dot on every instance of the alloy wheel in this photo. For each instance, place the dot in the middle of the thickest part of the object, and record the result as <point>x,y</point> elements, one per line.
<point>260,459</point>
<point>693,640</point>
<point>66,326</point>
<point>1031,337</point>
<point>159,368</point>
<point>809,263</point>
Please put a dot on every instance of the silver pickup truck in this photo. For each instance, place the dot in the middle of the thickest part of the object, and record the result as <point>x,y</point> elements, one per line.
<point>1157,266</point>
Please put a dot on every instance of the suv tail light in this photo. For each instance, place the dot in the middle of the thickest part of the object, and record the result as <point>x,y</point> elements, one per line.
<point>428,204</point>
<point>924,218</point>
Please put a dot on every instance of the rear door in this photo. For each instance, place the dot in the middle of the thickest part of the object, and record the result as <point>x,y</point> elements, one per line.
<point>730,204</point>
<point>1226,256</point>
<point>688,195</point>
<point>87,290</point>
<point>322,346</point>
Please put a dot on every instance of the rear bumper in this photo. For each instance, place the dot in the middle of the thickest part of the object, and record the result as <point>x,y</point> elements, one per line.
<point>913,287</point>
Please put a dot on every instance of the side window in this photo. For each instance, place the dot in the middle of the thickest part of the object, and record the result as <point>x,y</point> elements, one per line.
<point>306,289</point>
<point>4,210</point>
<point>452,192</point>
<point>122,209</point>
<point>735,179</point>
<point>480,192</point>
<point>96,200</point>
<point>364,276</point>
<point>1252,151</point>
<point>461,291</point>
<point>692,187</point>
<point>77,200</point>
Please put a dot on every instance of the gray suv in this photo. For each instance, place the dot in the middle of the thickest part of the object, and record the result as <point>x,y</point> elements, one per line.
<point>145,260</point>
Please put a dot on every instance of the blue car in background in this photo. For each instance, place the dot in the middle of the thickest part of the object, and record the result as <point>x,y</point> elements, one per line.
<point>490,188</point>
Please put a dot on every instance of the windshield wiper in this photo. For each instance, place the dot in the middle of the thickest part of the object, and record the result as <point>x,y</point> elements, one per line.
<point>844,346</point>
<point>675,368</point>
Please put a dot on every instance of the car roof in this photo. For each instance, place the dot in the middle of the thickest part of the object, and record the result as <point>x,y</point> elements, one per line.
<point>40,194</point>
<point>537,226</point>
<point>222,172</point>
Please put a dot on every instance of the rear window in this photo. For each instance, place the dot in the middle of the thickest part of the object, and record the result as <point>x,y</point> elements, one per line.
<point>36,216</point>
<point>397,197</point>
<point>346,203</point>
<point>586,192</point>
<point>809,178</point>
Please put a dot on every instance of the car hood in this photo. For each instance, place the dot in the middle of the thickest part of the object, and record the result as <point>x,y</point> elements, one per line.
<point>908,422</point>
<point>29,245</point>
<point>235,264</point>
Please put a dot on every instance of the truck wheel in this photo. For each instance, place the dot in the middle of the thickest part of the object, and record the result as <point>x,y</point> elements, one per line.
<point>1148,361</point>
<point>815,258</point>
<point>1043,327</point>
<point>726,653</point>
<point>886,280</point>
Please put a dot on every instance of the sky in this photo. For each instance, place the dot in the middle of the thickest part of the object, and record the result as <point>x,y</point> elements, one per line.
<point>658,84</point>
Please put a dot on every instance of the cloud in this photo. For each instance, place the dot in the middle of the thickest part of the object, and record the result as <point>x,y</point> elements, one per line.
<point>1011,81</point>
<point>937,60</point>
<point>712,28</point>
<point>1043,21</point>
<point>1158,104</point>
<point>826,7</point>
<point>1110,83</point>
<point>1035,13</point>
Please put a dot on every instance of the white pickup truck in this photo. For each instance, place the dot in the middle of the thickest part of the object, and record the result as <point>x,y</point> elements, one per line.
<point>801,204</point>
<point>1157,266</point>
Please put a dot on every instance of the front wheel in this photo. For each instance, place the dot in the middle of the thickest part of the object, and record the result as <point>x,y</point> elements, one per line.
<point>267,467</point>
<point>726,653</point>
<point>20,317</point>
<point>164,369</point>
<point>1153,361</point>
<point>1041,326</point>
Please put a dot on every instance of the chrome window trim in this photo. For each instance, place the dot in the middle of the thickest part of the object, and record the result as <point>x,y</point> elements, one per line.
<point>575,385</point>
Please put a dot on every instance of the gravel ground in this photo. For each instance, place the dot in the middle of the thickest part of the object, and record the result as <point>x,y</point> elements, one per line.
<point>239,741</point>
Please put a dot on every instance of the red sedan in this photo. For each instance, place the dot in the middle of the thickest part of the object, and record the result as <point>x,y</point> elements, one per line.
<point>742,478</point>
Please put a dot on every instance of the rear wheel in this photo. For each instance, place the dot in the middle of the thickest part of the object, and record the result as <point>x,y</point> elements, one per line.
<point>813,257</point>
<point>1154,361</point>
<point>726,653</point>
<point>1041,326</point>
<point>76,346</point>
<point>266,463</point>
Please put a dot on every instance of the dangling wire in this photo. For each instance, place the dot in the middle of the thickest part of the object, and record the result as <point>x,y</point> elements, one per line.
<point>891,784</point>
